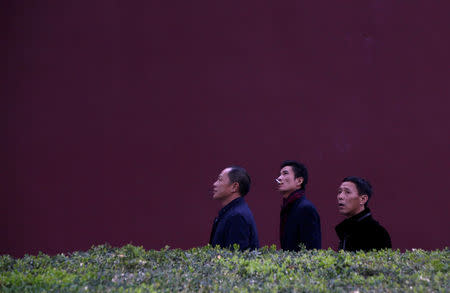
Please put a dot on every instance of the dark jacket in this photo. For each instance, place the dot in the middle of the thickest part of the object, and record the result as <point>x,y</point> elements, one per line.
<point>362,232</point>
<point>302,225</point>
<point>235,225</point>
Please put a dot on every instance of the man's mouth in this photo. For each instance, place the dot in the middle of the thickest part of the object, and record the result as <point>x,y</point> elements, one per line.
<point>341,205</point>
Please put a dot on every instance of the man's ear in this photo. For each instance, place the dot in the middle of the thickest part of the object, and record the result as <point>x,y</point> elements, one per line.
<point>235,187</point>
<point>363,199</point>
<point>299,181</point>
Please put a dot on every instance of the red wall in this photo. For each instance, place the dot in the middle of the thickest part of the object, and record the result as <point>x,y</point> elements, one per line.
<point>119,116</point>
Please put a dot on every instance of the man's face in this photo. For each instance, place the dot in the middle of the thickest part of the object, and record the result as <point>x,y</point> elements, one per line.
<point>287,181</point>
<point>222,188</point>
<point>350,202</point>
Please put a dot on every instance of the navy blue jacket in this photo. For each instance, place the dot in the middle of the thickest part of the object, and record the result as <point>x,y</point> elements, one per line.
<point>235,225</point>
<point>302,226</point>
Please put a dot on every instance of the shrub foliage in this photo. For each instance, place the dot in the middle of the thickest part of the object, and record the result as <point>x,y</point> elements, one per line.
<point>134,269</point>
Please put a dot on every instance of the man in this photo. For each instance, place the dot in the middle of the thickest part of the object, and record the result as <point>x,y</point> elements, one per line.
<point>235,223</point>
<point>359,231</point>
<point>299,220</point>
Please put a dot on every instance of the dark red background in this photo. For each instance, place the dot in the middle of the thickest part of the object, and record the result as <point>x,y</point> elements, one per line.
<point>120,114</point>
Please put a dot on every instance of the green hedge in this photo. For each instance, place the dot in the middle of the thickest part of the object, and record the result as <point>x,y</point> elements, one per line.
<point>134,269</point>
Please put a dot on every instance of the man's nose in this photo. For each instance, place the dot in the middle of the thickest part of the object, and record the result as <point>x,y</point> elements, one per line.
<point>339,196</point>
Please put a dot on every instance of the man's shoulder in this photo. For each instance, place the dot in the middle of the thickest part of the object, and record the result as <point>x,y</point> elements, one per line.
<point>239,218</point>
<point>241,210</point>
<point>375,234</point>
<point>304,203</point>
<point>374,225</point>
<point>303,208</point>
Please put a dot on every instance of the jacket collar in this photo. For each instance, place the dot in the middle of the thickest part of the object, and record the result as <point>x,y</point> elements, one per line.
<point>350,223</point>
<point>361,216</point>
<point>233,203</point>
<point>293,197</point>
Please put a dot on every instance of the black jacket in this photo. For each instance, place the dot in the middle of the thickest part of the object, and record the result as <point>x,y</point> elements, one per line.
<point>302,226</point>
<point>235,225</point>
<point>362,232</point>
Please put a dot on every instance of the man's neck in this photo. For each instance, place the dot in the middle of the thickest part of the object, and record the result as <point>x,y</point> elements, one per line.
<point>230,199</point>
<point>359,211</point>
<point>286,194</point>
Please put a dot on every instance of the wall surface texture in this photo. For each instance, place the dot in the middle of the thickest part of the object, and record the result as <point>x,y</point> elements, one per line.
<point>120,115</point>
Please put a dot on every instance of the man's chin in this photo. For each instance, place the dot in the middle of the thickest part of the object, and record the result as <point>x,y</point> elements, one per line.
<point>342,213</point>
<point>217,196</point>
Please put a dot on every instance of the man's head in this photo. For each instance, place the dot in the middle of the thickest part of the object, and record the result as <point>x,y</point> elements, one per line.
<point>353,195</point>
<point>231,183</point>
<point>293,176</point>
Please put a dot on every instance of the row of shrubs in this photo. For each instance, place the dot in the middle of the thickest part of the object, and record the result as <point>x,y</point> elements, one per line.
<point>134,269</point>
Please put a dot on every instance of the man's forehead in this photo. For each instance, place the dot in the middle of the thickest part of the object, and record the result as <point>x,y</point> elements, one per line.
<point>348,184</point>
<point>225,171</point>
<point>286,168</point>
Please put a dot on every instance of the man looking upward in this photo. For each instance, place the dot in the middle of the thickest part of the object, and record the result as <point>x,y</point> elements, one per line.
<point>299,220</point>
<point>235,223</point>
<point>359,231</point>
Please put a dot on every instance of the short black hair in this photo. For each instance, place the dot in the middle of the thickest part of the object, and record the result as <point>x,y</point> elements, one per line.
<point>299,171</point>
<point>240,175</point>
<point>363,186</point>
